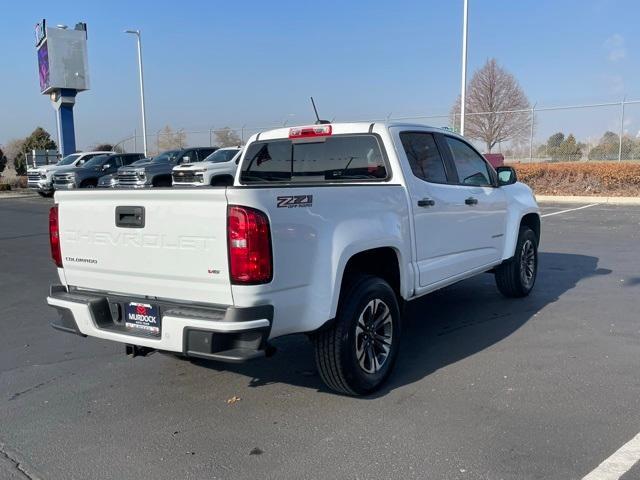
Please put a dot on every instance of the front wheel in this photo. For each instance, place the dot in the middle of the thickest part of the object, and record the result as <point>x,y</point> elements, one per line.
<point>356,354</point>
<point>516,277</point>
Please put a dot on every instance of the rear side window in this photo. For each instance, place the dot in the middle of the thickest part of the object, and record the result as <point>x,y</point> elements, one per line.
<point>336,158</point>
<point>471,167</point>
<point>424,157</point>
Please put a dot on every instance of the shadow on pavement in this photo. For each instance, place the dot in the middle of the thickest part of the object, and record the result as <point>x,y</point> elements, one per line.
<point>440,328</point>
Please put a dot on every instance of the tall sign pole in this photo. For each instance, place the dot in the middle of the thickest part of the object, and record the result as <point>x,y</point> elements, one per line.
<point>463,87</point>
<point>144,112</point>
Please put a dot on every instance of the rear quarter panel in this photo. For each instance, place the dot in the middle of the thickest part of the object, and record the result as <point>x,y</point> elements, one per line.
<point>312,244</point>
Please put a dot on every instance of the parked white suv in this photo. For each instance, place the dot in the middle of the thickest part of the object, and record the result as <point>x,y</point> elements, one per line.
<point>218,169</point>
<point>41,178</point>
<point>327,230</point>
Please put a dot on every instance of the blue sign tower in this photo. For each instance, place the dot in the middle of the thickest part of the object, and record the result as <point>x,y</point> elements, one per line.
<point>64,71</point>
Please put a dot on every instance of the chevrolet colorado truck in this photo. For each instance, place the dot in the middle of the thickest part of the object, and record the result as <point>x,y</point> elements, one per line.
<point>328,230</point>
<point>41,178</point>
<point>218,169</point>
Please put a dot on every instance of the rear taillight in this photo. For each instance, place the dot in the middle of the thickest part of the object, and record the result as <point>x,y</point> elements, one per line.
<point>249,243</point>
<point>54,236</point>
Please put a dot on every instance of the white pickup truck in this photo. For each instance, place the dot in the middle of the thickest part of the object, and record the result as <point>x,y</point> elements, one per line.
<point>327,230</point>
<point>217,170</point>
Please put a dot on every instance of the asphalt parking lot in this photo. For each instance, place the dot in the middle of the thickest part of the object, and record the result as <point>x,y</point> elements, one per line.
<point>546,387</point>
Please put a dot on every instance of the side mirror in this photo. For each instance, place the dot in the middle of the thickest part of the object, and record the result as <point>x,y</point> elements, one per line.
<point>106,166</point>
<point>237,160</point>
<point>186,159</point>
<point>506,176</point>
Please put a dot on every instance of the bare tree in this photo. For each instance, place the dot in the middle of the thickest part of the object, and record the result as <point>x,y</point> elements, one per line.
<point>227,138</point>
<point>170,140</point>
<point>492,89</point>
<point>13,148</point>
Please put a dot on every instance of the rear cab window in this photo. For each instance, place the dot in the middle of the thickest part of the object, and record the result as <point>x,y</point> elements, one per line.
<point>424,157</point>
<point>345,157</point>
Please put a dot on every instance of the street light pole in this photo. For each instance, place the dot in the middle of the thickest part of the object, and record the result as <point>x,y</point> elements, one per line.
<point>463,88</point>
<point>144,114</point>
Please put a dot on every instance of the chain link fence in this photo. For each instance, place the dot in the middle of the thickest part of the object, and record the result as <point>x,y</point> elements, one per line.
<point>589,132</point>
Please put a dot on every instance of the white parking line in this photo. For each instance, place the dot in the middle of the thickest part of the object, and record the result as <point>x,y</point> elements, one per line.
<point>570,210</point>
<point>619,463</point>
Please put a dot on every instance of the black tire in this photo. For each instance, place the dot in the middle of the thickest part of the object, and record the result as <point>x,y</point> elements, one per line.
<point>45,194</point>
<point>338,359</point>
<point>516,277</point>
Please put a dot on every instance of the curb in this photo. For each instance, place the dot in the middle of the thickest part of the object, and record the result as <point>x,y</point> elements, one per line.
<point>17,195</point>
<point>588,199</point>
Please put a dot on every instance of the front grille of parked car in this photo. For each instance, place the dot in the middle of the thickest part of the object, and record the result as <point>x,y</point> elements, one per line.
<point>130,178</point>
<point>33,177</point>
<point>184,177</point>
<point>64,179</point>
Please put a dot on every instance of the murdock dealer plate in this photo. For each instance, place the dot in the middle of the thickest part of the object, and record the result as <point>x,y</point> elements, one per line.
<point>144,317</point>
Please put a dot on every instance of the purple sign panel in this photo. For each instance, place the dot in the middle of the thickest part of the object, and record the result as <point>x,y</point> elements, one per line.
<point>43,66</point>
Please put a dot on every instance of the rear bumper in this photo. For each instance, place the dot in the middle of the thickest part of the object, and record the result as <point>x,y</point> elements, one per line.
<point>221,333</point>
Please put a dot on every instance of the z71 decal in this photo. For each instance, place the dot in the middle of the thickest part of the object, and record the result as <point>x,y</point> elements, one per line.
<point>295,201</point>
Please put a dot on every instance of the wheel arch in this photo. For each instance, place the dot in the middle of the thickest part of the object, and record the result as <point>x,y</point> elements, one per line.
<point>162,177</point>
<point>222,177</point>
<point>88,181</point>
<point>532,220</point>
<point>381,261</point>
<point>529,219</point>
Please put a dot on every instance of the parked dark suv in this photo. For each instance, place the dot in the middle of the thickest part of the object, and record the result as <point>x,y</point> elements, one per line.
<point>87,175</point>
<point>157,171</point>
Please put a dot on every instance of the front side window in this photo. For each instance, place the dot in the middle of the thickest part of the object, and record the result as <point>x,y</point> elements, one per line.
<point>167,156</point>
<point>97,161</point>
<point>423,155</point>
<point>336,158</point>
<point>472,169</point>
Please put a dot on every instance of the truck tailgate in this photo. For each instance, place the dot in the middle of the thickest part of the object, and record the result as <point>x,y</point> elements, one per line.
<point>178,251</point>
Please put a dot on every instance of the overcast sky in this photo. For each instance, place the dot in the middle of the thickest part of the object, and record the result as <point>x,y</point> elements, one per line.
<point>219,63</point>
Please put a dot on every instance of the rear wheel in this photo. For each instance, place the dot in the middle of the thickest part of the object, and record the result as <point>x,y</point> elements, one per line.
<point>356,354</point>
<point>516,277</point>
<point>45,194</point>
<point>92,183</point>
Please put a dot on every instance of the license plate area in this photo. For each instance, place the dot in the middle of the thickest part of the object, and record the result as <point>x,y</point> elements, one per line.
<point>143,317</point>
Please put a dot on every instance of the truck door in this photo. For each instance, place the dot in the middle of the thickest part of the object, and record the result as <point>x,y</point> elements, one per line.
<point>484,206</point>
<point>441,234</point>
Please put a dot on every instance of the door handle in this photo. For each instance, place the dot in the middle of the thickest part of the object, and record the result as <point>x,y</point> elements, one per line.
<point>426,202</point>
<point>471,201</point>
